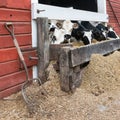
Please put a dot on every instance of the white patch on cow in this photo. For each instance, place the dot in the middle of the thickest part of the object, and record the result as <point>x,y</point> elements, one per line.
<point>67,26</point>
<point>104,33</point>
<point>70,7</point>
<point>59,34</point>
<point>88,34</point>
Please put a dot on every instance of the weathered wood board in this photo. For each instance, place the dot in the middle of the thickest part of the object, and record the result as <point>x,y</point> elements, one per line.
<point>43,47</point>
<point>71,58</point>
<point>83,54</point>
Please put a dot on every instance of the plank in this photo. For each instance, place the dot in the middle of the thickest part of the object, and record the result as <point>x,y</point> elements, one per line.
<point>10,54</point>
<point>23,39</point>
<point>15,66</point>
<point>115,4</point>
<point>10,91</point>
<point>83,54</point>
<point>18,4</point>
<point>55,50</point>
<point>14,15</point>
<point>30,62</point>
<point>43,46</point>
<point>19,28</point>
<point>9,67</point>
<point>65,70</point>
<point>13,79</point>
<point>118,1</point>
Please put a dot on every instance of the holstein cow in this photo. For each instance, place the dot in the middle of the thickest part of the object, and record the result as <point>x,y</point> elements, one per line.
<point>96,33</point>
<point>81,34</point>
<point>106,30</point>
<point>56,32</point>
<point>111,33</point>
<point>60,31</point>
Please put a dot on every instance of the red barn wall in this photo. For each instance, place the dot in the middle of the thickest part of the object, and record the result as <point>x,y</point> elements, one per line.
<point>12,75</point>
<point>113,10</point>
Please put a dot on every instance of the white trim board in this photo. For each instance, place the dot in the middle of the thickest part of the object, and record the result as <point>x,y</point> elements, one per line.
<point>62,13</point>
<point>34,40</point>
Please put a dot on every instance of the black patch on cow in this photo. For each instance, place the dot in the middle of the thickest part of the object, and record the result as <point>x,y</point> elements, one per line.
<point>101,27</point>
<point>67,36</point>
<point>52,29</point>
<point>77,34</point>
<point>85,40</point>
<point>111,34</point>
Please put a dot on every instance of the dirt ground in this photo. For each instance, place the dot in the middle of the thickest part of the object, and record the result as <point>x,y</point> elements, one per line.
<point>98,98</point>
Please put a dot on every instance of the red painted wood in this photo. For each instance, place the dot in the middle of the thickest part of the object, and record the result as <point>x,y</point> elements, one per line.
<point>19,28</point>
<point>117,9</point>
<point>19,4</point>
<point>112,19</point>
<point>9,67</point>
<point>6,40</point>
<point>18,12</point>
<point>10,54</point>
<point>14,15</point>
<point>13,79</point>
<point>27,58</point>
<point>16,65</point>
<point>115,1</point>
<point>10,91</point>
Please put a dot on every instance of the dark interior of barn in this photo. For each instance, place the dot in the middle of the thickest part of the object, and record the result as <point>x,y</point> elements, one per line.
<point>88,5</point>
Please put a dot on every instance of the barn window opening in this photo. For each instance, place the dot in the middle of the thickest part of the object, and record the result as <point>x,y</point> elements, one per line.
<point>88,5</point>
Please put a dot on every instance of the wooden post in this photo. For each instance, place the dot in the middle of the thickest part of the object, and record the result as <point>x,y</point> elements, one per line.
<point>64,69</point>
<point>43,47</point>
<point>70,77</point>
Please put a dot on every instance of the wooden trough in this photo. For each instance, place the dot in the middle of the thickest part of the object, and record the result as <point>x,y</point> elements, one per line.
<point>71,59</point>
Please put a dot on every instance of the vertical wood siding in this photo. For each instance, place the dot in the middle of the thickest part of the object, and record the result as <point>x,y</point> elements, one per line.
<point>112,18</point>
<point>12,74</point>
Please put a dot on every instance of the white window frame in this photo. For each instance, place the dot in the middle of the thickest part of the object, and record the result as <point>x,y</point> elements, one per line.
<point>62,13</point>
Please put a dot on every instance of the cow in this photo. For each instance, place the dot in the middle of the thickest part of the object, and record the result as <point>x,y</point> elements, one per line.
<point>106,30</point>
<point>56,35</point>
<point>111,34</point>
<point>81,34</point>
<point>96,33</point>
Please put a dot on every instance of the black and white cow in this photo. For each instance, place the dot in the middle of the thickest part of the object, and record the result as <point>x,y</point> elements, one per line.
<point>111,34</point>
<point>106,30</point>
<point>61,30</point>
<point>65,31</point>
<point>96,33</point>
<point>80,33</point>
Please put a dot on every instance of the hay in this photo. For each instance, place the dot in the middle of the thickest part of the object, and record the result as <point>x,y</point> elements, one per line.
<point>102,74</point>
